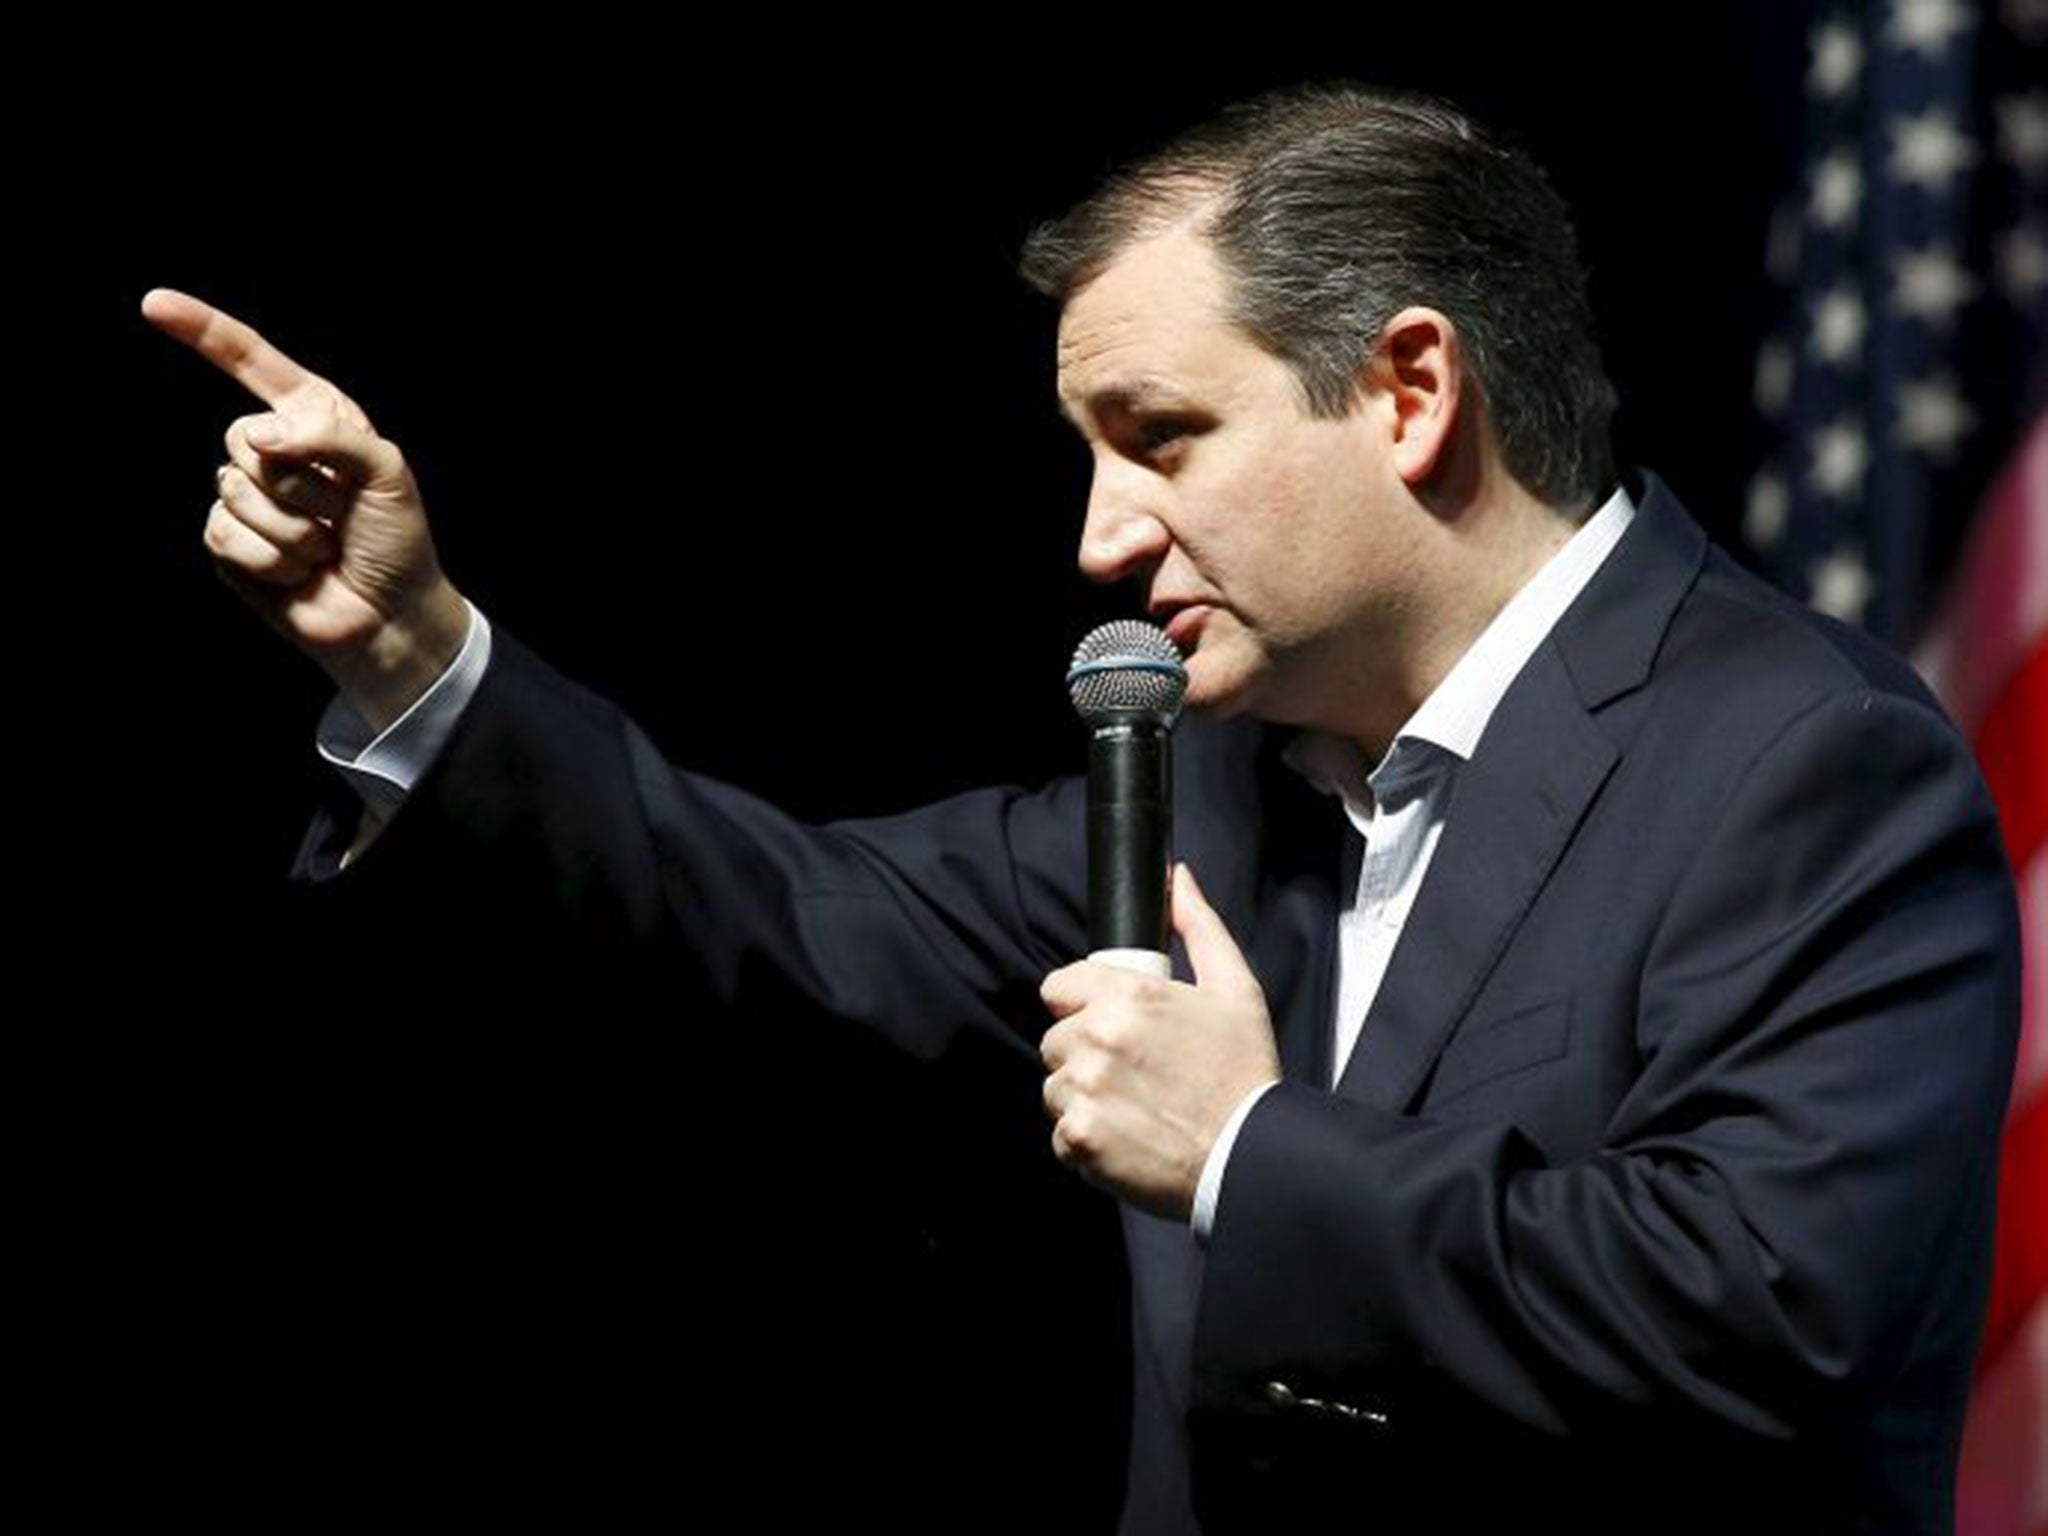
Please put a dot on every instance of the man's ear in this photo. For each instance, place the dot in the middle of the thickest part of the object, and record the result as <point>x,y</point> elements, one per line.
<point>1420,369</point>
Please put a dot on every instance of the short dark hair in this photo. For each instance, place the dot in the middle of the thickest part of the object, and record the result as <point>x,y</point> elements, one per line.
<point>1335,206</point>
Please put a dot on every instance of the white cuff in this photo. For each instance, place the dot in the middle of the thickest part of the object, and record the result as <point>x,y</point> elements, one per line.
<point>383,769</point>
<point>1210,1186</point>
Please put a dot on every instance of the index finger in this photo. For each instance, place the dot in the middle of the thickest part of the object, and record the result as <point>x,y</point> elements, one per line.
<point>1065,990</point>
<point>1073,987</point>
<point>236,349</point>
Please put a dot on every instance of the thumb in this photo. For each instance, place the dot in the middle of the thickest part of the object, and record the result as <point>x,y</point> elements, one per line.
<point>1218,962</point>
<point>328,437</point>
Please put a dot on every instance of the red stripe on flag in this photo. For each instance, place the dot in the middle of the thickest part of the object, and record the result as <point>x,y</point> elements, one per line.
<point>2020,1276</point>
<point>2012,749</point>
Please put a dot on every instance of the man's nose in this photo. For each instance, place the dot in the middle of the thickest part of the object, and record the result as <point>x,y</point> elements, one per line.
<point>1123,535</point>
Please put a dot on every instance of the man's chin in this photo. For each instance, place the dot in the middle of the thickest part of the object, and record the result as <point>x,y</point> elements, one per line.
<point>1214,692</point>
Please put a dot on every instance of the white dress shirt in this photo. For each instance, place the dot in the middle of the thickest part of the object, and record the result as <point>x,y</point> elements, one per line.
<point>1398,806</point>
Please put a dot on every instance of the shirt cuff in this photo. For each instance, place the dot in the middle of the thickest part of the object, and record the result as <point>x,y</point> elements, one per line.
<point>1210,1186</point>
<point>383,769</point>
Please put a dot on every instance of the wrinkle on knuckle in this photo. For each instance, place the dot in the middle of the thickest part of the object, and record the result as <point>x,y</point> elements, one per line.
<point>1048,1095</point>
<point>238,433</point>
<point>1088,1044</point>
<point>238,504</point>
<point>1149,993</point>
<point>219,530</point>
<point>1114,1031</point>
<point>1081,1126</point>
<point>242,500</point>
<point>265,559</point>
<point>1089,1075</point>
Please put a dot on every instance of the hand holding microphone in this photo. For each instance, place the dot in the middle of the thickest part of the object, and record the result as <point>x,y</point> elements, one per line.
<point>1142,1070</point>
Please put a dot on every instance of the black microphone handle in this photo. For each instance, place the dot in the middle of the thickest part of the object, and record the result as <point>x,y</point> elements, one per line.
<point>1130,835</point>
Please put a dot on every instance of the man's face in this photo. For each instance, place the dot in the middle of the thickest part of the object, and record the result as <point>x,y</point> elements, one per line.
<point>1267,540</point>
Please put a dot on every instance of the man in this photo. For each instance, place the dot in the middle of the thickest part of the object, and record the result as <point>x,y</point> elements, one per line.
<point>1586,1093</point>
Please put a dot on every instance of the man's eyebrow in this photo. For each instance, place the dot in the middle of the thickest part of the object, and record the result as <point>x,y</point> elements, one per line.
<point>1140,394</point>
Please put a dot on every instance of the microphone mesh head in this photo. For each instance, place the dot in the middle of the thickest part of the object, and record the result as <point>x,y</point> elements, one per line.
<point>1127,667</point>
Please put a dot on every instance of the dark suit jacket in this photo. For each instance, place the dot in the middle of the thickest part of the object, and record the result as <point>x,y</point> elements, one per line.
<point>1663,1169</point>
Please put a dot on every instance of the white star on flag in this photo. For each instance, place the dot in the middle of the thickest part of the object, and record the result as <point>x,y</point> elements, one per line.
<point>1931,285</point>
<point>1928,152</point>
<point>1925,26</point>
<point>1838,325</point>
<point>1933,417</point>
<point>1841,585</point>
<point>1763,520</point>
<point>2023,263</point>
<point>1837,58</point>
<point>2023,131</point>
<point>1837,190</point>
<point>1840,455</point>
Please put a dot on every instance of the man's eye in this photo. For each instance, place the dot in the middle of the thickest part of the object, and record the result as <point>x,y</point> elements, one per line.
<point>1155,435</point>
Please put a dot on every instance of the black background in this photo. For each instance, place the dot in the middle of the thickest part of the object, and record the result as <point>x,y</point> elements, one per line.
<point>712,363</point>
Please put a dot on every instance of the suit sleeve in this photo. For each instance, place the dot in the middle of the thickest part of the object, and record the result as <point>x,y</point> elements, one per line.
<point>1793,1193</point>
<point>552,817</point>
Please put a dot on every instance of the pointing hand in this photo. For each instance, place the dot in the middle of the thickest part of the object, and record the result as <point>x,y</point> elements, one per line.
<point>318,524</point>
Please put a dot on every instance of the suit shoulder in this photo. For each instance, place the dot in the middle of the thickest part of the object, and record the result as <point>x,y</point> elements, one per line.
<point>1739,643</point>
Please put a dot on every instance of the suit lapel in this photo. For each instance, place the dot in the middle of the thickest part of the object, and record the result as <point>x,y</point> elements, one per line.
<point>1515,805</point>
<point>1513,809</point>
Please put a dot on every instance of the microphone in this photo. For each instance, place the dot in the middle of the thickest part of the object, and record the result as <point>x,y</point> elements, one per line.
<point>1127,683</point>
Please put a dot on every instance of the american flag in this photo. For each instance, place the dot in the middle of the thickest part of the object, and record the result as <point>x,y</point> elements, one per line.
<point>1904,398</point>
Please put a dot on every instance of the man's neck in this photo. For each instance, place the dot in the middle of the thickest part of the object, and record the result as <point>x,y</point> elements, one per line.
<point>1486,556</point>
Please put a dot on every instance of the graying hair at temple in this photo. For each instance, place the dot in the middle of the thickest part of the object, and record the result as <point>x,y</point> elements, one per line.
<point>1335,206</point>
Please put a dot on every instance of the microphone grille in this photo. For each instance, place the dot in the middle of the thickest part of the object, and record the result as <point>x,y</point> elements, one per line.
<point>1127,667</point>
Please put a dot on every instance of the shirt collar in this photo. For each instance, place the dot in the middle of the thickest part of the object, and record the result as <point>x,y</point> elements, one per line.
<point>1448,724</point>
